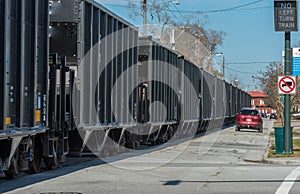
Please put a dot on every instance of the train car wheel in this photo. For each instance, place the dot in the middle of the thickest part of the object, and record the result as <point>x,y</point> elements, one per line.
<point>37,155</point>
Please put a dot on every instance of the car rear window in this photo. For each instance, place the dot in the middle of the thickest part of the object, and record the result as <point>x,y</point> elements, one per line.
<point>249,112</point>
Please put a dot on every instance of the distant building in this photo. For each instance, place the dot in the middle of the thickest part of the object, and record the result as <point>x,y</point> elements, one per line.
<point>258,101</point>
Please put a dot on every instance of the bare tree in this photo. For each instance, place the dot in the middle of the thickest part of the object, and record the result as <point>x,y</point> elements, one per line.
<point>197,43</point>
<point>208,41</point>
<point>211,39</point>
<point>158,12</point>
<point>268,80</point>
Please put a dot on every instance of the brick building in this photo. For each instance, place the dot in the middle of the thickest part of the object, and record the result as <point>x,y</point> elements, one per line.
<point>258,101</point>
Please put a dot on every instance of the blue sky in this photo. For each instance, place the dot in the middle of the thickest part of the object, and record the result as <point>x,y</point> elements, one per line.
<point>250,35</point>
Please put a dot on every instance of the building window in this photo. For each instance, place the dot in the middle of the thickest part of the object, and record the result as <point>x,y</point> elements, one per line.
<point>261,102</point>
<point>252,102</point>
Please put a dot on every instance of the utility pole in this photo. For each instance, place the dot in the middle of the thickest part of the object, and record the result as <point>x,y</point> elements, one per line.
<point>199,48</point>
<point>145,17</point>
<point>172,39</point>
<point>209,64</point>
<point>145,13</point>
<point>223,67</point>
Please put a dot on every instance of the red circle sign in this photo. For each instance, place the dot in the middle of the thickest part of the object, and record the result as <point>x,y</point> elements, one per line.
<point>283,83</point>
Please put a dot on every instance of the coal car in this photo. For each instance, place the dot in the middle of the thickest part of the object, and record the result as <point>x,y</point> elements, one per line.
<point>77,78</point>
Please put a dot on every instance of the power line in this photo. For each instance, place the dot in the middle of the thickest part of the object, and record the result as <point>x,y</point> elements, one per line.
<point>237,71</point>
<point>232,8</point>
<point>173,12</point>
<point>255,8</point>
<point>236,8</point>
<point>252,62</point>
<point>179,12</point>
<point>215,11</point>
<point>247,63</point>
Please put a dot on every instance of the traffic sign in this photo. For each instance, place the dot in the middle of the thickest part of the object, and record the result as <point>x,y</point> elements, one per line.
<point>286,15</point>
<point>296,61</point>
<point>286,84</point>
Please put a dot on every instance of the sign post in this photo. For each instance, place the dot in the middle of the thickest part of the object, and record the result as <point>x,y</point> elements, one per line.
<point>287,149</point>
<point>286,19</point>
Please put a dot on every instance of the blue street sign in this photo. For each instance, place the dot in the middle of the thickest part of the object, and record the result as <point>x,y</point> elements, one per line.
<point>296,61</point>
<point>296,66</point>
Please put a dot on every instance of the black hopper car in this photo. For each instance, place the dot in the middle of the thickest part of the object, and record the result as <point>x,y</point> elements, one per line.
<point>77,78</point>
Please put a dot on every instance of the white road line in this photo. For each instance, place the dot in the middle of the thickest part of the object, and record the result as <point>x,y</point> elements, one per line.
<point>289,181</point>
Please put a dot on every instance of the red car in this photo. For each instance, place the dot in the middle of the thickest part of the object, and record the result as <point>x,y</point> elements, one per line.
<point>249,118</point>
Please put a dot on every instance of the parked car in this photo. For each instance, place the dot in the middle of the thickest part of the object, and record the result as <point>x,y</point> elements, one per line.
<point>295,115</point>
<point>273,116</point>
<point>249,118</point>
<point>264,115</point>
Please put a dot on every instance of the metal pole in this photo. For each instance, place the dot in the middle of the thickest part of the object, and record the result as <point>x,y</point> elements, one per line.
<point>209,64</point>
<point>52,102</point>
<point>223,67</point>
<point>199,48</point>
<point>287,148</point>
<point>173,38</point>
<point>145,17</point>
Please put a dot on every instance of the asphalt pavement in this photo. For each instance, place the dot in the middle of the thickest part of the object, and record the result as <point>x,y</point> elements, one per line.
<point>220,161</point>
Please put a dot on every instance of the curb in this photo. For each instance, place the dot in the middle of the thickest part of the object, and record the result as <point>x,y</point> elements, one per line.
<point>255,158</point>
<point>281,162</point>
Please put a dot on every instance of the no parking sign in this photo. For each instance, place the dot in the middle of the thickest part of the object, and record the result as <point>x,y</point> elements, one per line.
<point>286,84</point>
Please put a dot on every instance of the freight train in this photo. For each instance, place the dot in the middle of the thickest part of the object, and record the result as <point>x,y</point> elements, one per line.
<point>77,78</point>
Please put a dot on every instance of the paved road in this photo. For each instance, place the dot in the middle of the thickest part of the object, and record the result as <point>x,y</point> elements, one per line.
<point>215,163</point>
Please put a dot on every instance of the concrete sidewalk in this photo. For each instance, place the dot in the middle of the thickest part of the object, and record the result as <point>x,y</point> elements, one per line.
<point>261,156</point>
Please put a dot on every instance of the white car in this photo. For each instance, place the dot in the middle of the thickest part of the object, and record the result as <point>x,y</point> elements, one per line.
<point>295,115</point>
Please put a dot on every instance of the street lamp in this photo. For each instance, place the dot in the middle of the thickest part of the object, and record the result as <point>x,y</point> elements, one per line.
<point>236,82</point>
<point>223,63</point>
<point>145,13</point>
<point>176,2</point>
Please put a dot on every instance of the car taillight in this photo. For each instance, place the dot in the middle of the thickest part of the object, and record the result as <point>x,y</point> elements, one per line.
<point>257,118</point>
<point>240,117</point>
